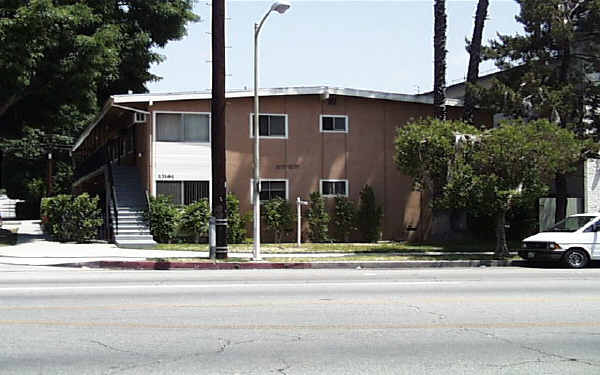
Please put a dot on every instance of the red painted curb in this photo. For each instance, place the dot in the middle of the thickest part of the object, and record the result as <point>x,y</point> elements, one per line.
<point>163,265</point>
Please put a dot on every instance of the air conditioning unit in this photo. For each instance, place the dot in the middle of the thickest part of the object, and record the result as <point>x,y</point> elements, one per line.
<point>139,118</point>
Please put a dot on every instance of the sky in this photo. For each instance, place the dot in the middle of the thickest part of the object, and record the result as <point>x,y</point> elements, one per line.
<point>372,45</point>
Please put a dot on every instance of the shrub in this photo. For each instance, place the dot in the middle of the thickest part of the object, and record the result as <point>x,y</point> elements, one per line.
<point>236,223</point>
<point>369,215</point>
<point>195,219</point>
<point>163,218</point>
<point>318,219</point>
<point>68,218</point>
<point>278,217</point>
<point>344,218</point>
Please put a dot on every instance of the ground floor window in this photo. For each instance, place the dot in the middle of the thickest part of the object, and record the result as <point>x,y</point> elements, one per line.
<point>183,192</point>
<point>270,188</point>
<point>334,187</point>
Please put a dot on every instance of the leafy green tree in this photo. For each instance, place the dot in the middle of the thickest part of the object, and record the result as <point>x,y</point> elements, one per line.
<point>60,58</point>
<point>423,150</point>
<point>73,52</point>
<point>195,219</point>
<point>236,223</point>
<point>550,71</point>
<point>514,161</point>
<point>344,218</point>
<point>277,213</point>
<point>369,215</point>
<point>318,219</point>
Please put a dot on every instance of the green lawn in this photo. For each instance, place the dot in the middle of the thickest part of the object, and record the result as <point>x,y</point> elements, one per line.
<point>367,248</point>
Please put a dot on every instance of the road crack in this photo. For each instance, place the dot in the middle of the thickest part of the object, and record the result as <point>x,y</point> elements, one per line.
<point>419,310</point>
<point>562,358</point>
<point>109,347</point>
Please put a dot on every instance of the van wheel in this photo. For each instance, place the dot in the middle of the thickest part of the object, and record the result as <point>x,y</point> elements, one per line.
<point>576,258</point>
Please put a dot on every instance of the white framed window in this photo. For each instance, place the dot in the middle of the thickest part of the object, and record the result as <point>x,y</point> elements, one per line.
<point>183,192</point>
<point>333,123</point>
<point>139,117</point>
<point>332,188</point>
<point>182,127</point>
<point>271,188</point>
<point>270,125</point>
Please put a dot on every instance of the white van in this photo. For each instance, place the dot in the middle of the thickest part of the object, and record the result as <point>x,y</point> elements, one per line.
<point>575,241</point>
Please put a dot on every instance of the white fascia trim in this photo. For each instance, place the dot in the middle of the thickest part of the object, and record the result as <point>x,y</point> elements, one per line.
<point>109,103</point>
<point>334,131</point>
<point>131,109</point>
<point>287,187</point>
<point>268,136</point>
<point>107,106</point>
<point>282,91</point>
<point>334,180</point>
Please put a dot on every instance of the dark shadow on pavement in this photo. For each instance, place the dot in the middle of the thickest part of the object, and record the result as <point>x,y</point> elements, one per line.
<point>28,238</point>
<point>553,265</point>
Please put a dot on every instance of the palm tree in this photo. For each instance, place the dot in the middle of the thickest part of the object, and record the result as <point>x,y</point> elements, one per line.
<point>439,57</point>
<point>474,49</point>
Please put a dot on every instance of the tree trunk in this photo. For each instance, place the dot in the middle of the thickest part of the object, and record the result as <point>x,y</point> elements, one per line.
<point>1,169</point>
<point>560,182</point>
<point>474,60</point>
<point>439,57</point>
<point>501,246</point>
<point>5,106</point>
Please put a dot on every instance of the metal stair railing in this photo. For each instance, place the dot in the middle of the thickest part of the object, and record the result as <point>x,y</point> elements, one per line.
<point>113,199</point>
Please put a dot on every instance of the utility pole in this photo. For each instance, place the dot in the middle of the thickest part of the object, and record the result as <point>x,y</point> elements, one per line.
<point>219,179</point>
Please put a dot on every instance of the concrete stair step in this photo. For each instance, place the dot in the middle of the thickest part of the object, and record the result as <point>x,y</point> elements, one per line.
<point>134,237</point>
<point>132,233</point>
<point>132,224</point>
<point>136,244</point>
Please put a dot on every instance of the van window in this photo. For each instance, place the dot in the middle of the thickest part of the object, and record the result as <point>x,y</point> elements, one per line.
<point>571,224</point>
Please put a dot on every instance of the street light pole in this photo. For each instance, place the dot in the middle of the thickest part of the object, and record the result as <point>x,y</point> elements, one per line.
<point>280,7</point>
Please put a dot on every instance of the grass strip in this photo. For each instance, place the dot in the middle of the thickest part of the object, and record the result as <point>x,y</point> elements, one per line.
<point>366,248</point>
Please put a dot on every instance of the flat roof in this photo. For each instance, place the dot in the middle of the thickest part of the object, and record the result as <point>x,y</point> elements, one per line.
<point>279,91</point>
<point>114,100</point>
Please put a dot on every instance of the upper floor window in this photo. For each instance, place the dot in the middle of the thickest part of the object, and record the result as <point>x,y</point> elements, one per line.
<point>270,125</point>
<point>334,123</point>
<point>182,127</point>
<point>334,187</point>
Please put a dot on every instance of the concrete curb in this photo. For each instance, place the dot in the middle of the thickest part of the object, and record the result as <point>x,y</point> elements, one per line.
<point>164,265</point>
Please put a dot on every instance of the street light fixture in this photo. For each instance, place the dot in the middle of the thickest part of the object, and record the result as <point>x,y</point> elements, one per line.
<point>279,7</point>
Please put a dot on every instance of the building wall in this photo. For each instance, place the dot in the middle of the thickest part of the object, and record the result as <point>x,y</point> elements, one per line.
<point>143,147</point>
<point>592,185</point>
<point>363,155</point>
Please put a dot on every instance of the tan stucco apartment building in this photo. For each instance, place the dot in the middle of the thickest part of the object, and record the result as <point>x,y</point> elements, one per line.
<point>332,140</point>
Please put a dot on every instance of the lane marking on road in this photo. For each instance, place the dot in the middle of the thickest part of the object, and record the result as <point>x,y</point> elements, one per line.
<point>301,302</point>
<point>228,286</point>
<point>316,327</point>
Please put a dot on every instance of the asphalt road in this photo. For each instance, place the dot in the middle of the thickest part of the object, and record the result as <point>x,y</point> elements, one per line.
<point>433,321</point>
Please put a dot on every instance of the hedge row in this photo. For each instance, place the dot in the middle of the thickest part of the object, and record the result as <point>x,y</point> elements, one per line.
<point>173,223</point>
<point>71,218</point>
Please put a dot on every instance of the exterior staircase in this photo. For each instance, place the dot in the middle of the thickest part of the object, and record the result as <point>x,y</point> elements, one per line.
<point>131,231</point>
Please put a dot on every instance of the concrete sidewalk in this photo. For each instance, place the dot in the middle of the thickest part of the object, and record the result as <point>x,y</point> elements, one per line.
<point>36,249</point>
